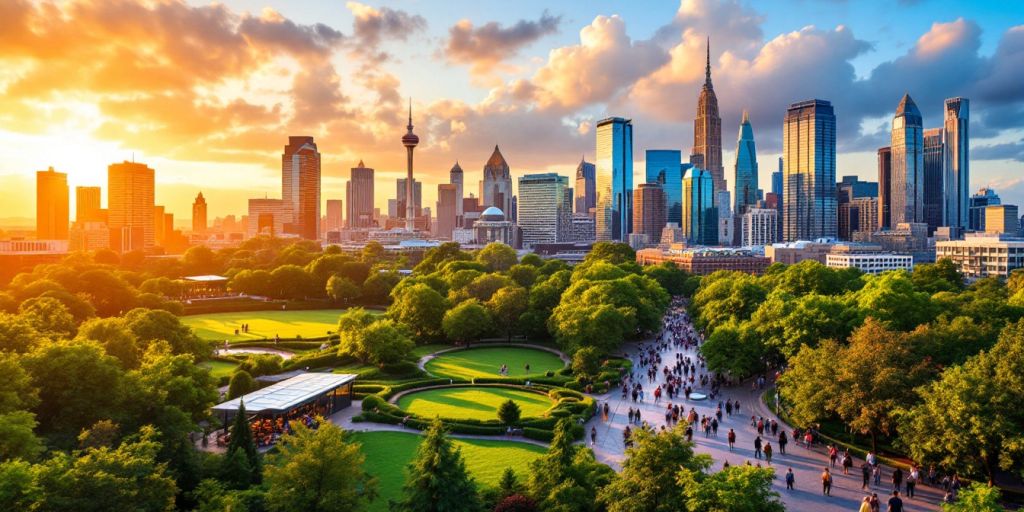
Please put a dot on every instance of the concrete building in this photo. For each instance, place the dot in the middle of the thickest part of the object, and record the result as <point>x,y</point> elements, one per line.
<point>1002,219</point>
<point>791,253</point>
<point>334,221</point>
<point>649,210</point>
<point>704,261</point>
<point>983,255</point>
<point>884,188</point>
<point>614,168</point>
<point>52,210</point>
<point>809,171</point>
<point>496,187</point>
<point>268,217</point>
<point>933,195</point>
<point>586,188</point>
<point>870,263</point>
<point>707,131</point>
<point>978,203</point>
<point>493,227</point>
<point>130,190</point>
<point>760,226</point>
<point>87,205</point>
<point>447,211</point>
<point>199,222</point>
<point>545,208</point>
<point>583,229</point>
<point>456,177</point>
<point>359,197</point>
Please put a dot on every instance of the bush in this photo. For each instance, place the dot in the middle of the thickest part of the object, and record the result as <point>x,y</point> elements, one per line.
<point>317,360</point>
<point>549,373</point>
<point>480,430</point>
<point>538,434</point>
<point>261,364</point>
<point>403,369</point>
<point>241,383</point>
<point>371,402</point>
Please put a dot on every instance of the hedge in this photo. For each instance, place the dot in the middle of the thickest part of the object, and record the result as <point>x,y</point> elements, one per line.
<point>284,345</point>
<point>317,360</point>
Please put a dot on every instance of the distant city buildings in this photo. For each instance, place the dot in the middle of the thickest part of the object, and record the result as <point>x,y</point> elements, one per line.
<point>665,167</point>
<point>87,205</point>
<point>981,255</point>
<point>614,168</point>
<point>956,165</point>
<point>333,220</point>
<point>130,190</point>
<point>707,131</point>
<point>267,217</point>
<point>700,213</point>
<point>649,211</point>
<point>885,187</point>
<point>199,221</point>
<point>976,210</point>
<point>496,187</point>
<point>907,186</point>
<point>545,209</point>
<point>745,169</point>
<point>759,226</point>
<point>359,197</point>
<point>52,215</point>
<point>448,203</point>
<point>410,140</point>
<point>586,188</point>
<point>933,193</point>
<point>870,263</point>
<point>703,261</point>
<point>809,171</point>
<point>1002,219</point>
<point>457,178</point>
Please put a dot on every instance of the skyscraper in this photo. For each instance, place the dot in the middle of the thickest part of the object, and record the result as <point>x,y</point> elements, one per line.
<point>496,187</point>
<point>707,131</point>
<point>649,209</point>
<point>130,205</point>
<point>199,214</point>
<point>410,140</point>
<point>745,170</point>
<point>359,196</point>
<point>1002,219</point>
<point>976,211</point>
<point>614,179</point>
<point>300,186</point>
<point>457,178</point>
<point>907,164</point>
<point>885,187</point>
<point>401,195</point>
<point>700,213</point>
<point>545,209</point>
<point>777,180</point>
<point>87,205</point>
<point>809,171</point>
<point>586,187</point>
<point>934,157</point>
<point>333,219</point>
<point>956,168</point>
<point>447,211</point>
<point>665,166</point>
<point>52,210</point>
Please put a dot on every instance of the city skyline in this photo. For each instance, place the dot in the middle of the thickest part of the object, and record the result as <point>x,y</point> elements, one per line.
<point>542,123</point>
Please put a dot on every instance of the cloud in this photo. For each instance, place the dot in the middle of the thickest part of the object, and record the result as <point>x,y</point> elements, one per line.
<point>487,46</point>
<point>373,24</point>
<point>1005,151</point>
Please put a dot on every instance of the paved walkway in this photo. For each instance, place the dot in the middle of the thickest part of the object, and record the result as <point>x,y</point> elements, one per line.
<point>807,465</point>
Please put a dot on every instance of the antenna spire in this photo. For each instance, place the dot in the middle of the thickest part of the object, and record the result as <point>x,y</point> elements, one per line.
<point>707,68</point>
<point>410,115</point>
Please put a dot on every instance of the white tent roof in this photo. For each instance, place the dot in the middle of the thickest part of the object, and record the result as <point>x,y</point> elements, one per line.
<point>288,394</point>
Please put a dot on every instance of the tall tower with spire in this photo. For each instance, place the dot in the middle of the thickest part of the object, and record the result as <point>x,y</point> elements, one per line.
<point>707,131</point>
<point>410,140</point>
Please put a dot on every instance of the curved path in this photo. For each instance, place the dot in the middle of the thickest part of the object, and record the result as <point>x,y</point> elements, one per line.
<point>422,363</point>
<point>285,354</point>
<point>807,465</point>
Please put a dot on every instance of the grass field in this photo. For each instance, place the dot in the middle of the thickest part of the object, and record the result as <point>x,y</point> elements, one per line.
<point>479,403</point>
<point>265,324</point>
<point>219,369</point>
<point>387,454</point>
<point>486,361</point>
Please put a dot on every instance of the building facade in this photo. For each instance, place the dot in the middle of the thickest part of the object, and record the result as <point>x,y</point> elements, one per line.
<point>545,209</point>
<point>704,261</point>
<point>665,167</point>
<point>456,177</point>
<point>745,169</point>
<point>496,187</point>
<point>447,211</point>
<point>199,221</point>
<point>956,167</point>
<point>52,210</point>
<point>359,197</point>
<point>976,210</point>
<point>130,205</point>
<point>87,205</point>
<point>809,171</point>
<point>907,164</point>
<point>267,217</point>
<point>870,263</point>
<point>583,228</point>
<point>707,131</point>
<point>586,187</point>
<point>333,220</point>
<point>1002,219</point>
<point>649,210</point>
<point>759,226</point>
<point>493,227</point>
<point>700,213</point>
<point>885,187</point>
<point>614,168</point>
<point>300,186</point>
<point>979,256</point>
<point>934,159</point>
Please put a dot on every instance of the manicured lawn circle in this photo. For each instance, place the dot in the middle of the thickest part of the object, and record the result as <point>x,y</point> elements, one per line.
<point>219,369</point>
<point>486,361</point>
<point>265,324</point>
<point>388,453</point>
<point>480,403</point>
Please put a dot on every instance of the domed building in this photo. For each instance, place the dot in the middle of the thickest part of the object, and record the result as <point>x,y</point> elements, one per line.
<point>493,227</point>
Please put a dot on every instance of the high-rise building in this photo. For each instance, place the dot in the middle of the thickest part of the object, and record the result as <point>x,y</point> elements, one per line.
<point>665,166</point>
<point>52,210</point>
<point>777,191</point>
<point>159,225</point>
<point>545,209</point>
<point>447,209</point>
<point>700,213</point>
<point>87,205</point>
<point>199,214</point>
<point>614,170</point>
<point>707,130</point>
<point>410,140</point>
<point>582,228</point>
<point>267,217</point>
<point>745,170</point>
<point>907,164</point>
<point>586,187</point>
<point>956,167</point>
<point>867,215</point>
<point>852,187</point>
<point>1002,219</point>
<point>726,221</point>
<point>885,188</point>
<point>401,194</point>
<point>359,196</point>
<point>130,206</point>
<point>300,186</point>
<point>976,209</point>
<point>333,220</point>
<point>649,211</point>
<point>809,171</point>
<point>496,187</point>
<point>457,178</point>
<point>934,158</point>
<point>759,226</point>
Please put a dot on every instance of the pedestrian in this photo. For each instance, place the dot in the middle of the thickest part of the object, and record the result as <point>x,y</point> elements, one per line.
<point>895,503</point>
<point>876,471</point>
<point>790,478</point>
<point>876,504</point>
<point>731,436</point>
<point>833,455</point>
<point>757,447</point>
<point>847,462</point>
<point>593,436</point>
<point>911,482</point>
<point>865,504</point>
<point>826,482</point>
<point>768,453</point>
<point>865,470</point>
<point>783,441</point>
<point>897,479</point>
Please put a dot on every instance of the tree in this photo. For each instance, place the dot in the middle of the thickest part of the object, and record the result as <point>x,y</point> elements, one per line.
<point>18,489</point>
<point>648,480</point>
<point>509,412</point>
<point>497,256</point>
<point>17,334</point>
<point>976,498</point>
<point>466,322</point>
<point>108,293</point>
<point>437,478</point>
<point>373,252</point>
<point>671,278</point>
<point>318,471</point>
<point>241,383</point>
<point>420,307</point>
<point>567,478</point>
<point>372,339</point>
<point>200,260</point>
<point>342,289</point>
<point>377,288</point>
<point>17,436</point>
<point>892,299</point>
<point>435,258</point>
<point>734,349</point>
<point>517,503</point>
<point>611,252</point>
<point>49,316</point>
<point>115,336</point>
<point>736,489</point>
<point>484,286</point>
<point>586,362</point>
<point>149,325</point>
<point>507,305</point>
<point>524,275</point>
<point>242,446</point>
<point>292,282</point>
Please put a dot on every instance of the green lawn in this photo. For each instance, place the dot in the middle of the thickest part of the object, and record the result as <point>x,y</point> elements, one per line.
<point>486,361</point>
<point>219,369</point>
<point>479,403</point>
<point>388,453</point>
<point>265,324</point>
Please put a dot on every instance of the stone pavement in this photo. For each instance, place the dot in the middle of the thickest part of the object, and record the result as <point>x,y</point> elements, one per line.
<point>807,464</point>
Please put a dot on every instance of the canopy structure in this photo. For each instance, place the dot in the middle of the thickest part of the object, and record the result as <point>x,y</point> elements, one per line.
<point>204,286</point>
<point>333,390</point>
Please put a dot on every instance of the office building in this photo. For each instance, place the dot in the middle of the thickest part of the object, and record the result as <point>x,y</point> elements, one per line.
<point>89,236</point>
<point>934,159</point>
<point>199,223</point>
<point>707,130</point>
<point>401,195</point>
<point>333,221</point>
<point>1002,219</point>
<point>159,225</point>
<point>583,228</point>
<point>130,206</point>
<point>745,169</point>
<point>649,210</point>
<point>852,187</point>
<point>956,166</point>
<point>983,255</point>
<point>300,186</point>
<point>777,191</point>
<point>614,168</point>
<point>759,226</point>
<point>457,178</point>
<point>359,197</point>
<point>703,261</point>
<point>907,187</point>
<point>726,221</point>
<point>866,214</point>
<point>496,187</point>
<point>52,210</point>
<point>87,205</point>
<point>870,263</point>
<point>268,217</point>
<point>447,209</point>
<point>700,213</point>
<point>586,187</point>
<point>545,209</point>
<point>809,171</point>
<point>976,210</point>
<point>885,187</point>
<point>665,167</point>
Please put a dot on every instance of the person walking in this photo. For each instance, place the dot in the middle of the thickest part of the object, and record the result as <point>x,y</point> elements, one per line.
<point>897,479</point>
<point>895,504</point>
<point>833,455</point>
<point>847,462</point>
<point>731,436</point>
<point>768,453</point>
<point>826,482</point>
<point>865,504</point>
<point>783,441</point>
<point>865,470</point>
<point>876,504</point>
<point>593,436</point>
<point>757,447</point>
<point>911,482</point>
<point>790,479</point>
<point>876,471</point>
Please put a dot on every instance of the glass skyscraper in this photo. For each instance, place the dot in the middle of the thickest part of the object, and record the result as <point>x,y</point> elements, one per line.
<point>956,168</point>
<point>665,167</point>
<point>545,209</point>
<point>745,170</point>
<point>934,153</point>
<point>614,217</point>
<point>700,213</point>
<point>809,171</point>
<point>907,164</point>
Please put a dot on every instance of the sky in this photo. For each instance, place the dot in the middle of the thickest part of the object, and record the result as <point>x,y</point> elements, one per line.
<point>208,93</point>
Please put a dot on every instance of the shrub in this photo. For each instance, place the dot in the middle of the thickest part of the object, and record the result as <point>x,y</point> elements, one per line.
<point>371,402</point>
<point>241,383</point>
<point>317,360</point>
<point>261,364</point>
<point>538,434</point>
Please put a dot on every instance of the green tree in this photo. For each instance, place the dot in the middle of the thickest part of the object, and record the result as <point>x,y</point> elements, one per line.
<point>420,307</point>
<point>17,334</point>
<point>736,489</point>
<point>342,289</point>
<point>524,275</point>
<point>484,286</point>
<point>611,252</point>
<point>648,480</point>
<point>108,293</point>
<point>372,339</point>
<point>586,362</point>
<point>509,412</point>
<point>976,498</point>
<point>817,317</point>
<point>200,260</point>
<point>318,471</point>
<point>18,488</point>
<point>497,256</point>
<point>734,349</point>
<point>670,277</point>
<point>507,305</point>
<point>437,478</point>
<point>240,384</point>
<point>242,446</point>
<point>17,436</point>
<point>892,299</point>
<point>115,336</point>
<point>941,276</point>
<point>377,288</point>
<point>466,322</point>
<point>435,258</point>
<point>49,316</point>
<point>727,296</point>
<point>292,282</point>
<point>149,325</point>
<point>567,478</point>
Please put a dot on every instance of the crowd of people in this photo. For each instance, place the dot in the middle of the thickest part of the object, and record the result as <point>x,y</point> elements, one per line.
<point>267,431</point>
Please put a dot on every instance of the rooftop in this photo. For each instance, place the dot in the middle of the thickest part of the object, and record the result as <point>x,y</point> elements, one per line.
<point>288,394</point>
<point>206,278</point>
